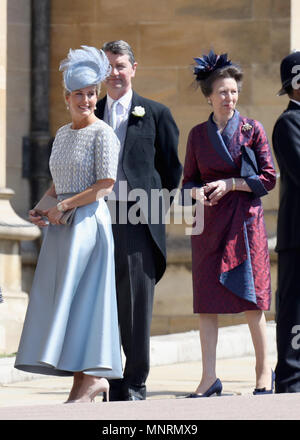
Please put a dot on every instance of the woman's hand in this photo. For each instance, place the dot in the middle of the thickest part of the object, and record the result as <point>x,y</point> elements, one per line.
<point>214,191</point>
<point>37,219</point>
<point>54,215</point>
<point>199,194</point>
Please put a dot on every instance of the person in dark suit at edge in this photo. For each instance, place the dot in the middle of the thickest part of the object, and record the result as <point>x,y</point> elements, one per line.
<point>148,161</point>
<point>286,144</point>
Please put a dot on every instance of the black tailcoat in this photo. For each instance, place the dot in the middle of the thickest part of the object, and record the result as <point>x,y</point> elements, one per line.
<point>150,159</point>
<point>286,143</point>
<point>150,162</point>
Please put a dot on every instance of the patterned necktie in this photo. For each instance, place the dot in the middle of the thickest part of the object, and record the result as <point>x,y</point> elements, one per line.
<point>113,115</point>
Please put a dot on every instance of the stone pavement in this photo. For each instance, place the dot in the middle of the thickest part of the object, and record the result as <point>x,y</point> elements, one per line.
<point>175,371</point>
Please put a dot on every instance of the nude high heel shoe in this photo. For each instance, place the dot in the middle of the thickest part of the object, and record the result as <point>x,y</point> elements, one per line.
<point>90,387</point>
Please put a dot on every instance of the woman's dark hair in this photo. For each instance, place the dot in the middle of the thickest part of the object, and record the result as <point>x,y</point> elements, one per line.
<point>232,71</point>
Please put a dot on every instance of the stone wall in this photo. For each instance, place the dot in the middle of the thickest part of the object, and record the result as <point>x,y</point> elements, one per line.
<point>13,228</point>
<point>295,25</point>
<point>18,98</point>
<point>165,36</point>
<point>3,63</point>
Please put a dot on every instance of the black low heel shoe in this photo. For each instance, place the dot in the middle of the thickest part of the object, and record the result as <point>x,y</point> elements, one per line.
<point>259,391</point>
<point>216,388</point>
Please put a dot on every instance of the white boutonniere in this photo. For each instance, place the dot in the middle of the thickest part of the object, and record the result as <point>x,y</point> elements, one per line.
<point>138,111</point>
<point>246,127</point>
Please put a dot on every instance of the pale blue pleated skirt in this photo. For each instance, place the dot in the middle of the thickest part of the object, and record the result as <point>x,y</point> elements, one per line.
<point>71,322</point>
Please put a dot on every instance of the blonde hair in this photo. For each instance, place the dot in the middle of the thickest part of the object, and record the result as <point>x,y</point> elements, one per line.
<point>67,92</point>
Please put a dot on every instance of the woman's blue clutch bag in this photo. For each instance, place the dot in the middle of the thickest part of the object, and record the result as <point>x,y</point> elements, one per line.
<point>249,165</point>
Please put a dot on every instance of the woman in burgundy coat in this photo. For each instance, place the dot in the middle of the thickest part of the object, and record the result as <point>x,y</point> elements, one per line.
<point>228,167</point>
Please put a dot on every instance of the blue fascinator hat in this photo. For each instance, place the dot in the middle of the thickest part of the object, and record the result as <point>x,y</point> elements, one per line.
<point>84,67</point>
<point>209,63</point>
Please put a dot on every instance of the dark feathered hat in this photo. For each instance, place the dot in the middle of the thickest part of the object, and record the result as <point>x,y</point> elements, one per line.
<point>207,64</point>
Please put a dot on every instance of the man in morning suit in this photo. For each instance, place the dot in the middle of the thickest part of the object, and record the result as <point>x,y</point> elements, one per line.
<point>148,161</point>
<point>286,144</point>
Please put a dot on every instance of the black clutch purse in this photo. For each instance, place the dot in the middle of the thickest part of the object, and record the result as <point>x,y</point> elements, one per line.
<point>248,165</point>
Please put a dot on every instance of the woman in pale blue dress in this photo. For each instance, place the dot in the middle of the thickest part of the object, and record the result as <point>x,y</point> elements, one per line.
<point>71,325</point>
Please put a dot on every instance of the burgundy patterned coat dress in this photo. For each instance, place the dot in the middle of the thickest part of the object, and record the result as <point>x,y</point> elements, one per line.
<point>230,258</point>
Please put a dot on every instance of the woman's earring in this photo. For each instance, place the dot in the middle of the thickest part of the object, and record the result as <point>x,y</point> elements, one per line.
<point>209,101</point>
<point>68,108</point>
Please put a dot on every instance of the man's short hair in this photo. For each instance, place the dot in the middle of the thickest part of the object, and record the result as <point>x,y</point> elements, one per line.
<point>119,47</point>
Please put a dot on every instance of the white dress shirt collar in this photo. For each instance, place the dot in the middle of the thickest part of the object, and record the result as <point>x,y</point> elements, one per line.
<point>125,100</point>
<point>296,102</point>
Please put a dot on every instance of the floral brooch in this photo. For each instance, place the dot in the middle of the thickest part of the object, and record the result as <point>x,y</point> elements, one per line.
<point>246,127</point>
<point>138,111</point>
